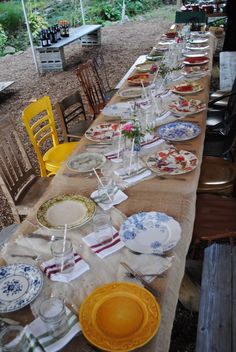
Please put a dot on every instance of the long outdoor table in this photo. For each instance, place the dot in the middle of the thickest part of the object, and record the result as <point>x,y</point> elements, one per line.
<point>175,196</point>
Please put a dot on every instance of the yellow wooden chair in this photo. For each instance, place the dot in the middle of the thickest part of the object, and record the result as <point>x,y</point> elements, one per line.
<point>40,125</point>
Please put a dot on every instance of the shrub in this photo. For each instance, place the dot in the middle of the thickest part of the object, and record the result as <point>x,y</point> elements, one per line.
<point>11,17</point>
<point>3,39</point>
<point>36,23</point>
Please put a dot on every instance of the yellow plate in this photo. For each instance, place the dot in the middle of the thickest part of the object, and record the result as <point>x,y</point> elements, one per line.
<point>119,317</point>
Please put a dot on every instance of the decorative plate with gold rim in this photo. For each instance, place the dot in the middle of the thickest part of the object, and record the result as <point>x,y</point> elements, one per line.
<point>120,316</point>
<point>71,209</point>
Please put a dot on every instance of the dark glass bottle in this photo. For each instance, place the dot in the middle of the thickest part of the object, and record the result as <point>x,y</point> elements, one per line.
<point>43,38</point>
<point>48,38</point>
<point>67,31</point>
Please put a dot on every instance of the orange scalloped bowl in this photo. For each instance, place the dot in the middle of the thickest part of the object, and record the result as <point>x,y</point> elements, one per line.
<point>119,317</point>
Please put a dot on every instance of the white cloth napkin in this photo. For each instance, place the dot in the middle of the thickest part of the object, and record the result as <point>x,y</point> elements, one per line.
<point>49,268</point>
<point>104,249</point>
<point>152,142</point>
<point>113,156</point>
<point>134,176</point>
<point>49,343</point>
<point>119,197</point>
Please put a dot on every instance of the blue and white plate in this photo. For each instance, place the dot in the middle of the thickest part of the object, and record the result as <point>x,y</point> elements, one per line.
<point>150,232</point>
<point>179,131</point>
<point>20,284</point>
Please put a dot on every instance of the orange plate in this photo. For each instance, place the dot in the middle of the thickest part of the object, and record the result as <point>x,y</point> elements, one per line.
<point>119,317</point>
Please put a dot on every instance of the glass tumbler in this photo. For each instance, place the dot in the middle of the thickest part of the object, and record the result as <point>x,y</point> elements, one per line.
<point>102,227</point>
<point>106,189</point>
<point>63,255</point>
<point>53,314</point>
<point>12,340</point>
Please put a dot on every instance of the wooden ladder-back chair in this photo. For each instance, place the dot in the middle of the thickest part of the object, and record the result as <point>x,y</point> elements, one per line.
<point>221,127</point>
<point>72,117</point>
<point>100,67</point>
<point>91,85</point>
<point>40,125</point>
<point>18,181</point>
<point>215,220</point>
<point>217,175</point>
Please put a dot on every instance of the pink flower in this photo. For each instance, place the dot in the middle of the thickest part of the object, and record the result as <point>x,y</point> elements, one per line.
<point>128,127</point>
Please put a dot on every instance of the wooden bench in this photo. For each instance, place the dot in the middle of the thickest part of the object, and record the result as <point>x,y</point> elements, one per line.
<point>52,58</point>
<point>217,319</point>
<point>5,84</point>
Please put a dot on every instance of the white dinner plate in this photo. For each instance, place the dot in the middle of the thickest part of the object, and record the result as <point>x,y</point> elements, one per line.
<point>130,93</point>
<point>86,162</point>
<point>20,284</point>
<point>196,47</point>
<point>71,209</point>
<point>150,232</point>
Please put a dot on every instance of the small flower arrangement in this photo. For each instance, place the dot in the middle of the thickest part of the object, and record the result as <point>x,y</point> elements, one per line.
<point>132,130</point>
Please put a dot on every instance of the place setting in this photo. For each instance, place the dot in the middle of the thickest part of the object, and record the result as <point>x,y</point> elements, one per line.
<point>21,284</point>
<point>183,107</point>
<point>188,87</point>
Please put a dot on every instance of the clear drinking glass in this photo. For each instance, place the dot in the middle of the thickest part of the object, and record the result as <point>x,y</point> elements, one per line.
<point>102,227</point>
<point>62,252</point>
<point>53,314</point>
<point>12,340</point>
<point>106,189</point>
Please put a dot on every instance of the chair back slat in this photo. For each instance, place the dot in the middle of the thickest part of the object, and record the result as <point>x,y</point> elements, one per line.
<point>16,170</point>
<point>41,128</point>
<point>71,113</point>
<point>92,86</point>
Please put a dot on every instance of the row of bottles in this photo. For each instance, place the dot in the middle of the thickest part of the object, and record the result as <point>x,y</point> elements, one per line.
<point>54,34</point>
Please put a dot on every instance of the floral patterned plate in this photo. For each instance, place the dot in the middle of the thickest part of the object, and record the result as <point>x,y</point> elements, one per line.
<point>172,162</point>
<point>71,209</point>
<point>103,132</point>
<point>179,131</point>
<point>20,284</point>
<point>184,107</point>
<point>150,232</point>
<point>187,88</point>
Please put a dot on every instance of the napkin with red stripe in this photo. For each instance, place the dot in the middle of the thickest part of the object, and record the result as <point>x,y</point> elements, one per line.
<point>113,156</point>
<point>49,268</point>
<point>149,143</point>
<point>104,248</point>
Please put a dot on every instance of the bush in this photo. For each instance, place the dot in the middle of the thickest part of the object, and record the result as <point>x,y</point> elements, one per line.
<point>36,23</point>
<point>3,39</point>
<point>11,17</point>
